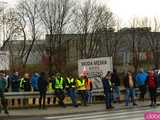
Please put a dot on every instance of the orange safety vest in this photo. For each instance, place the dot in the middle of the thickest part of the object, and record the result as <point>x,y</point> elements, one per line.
<point>88,84</point>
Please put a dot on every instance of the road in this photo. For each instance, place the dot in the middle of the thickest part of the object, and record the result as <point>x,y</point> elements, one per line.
<point>126,114</point>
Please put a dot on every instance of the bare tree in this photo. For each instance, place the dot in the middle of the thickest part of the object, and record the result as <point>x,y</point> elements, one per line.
<point>12,29</point>
<point>56,15</point>
<point>95,25</point>
<point>152,36</point>
<point>29,11</point>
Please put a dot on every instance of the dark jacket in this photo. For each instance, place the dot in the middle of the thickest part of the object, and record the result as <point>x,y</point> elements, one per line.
<point>42,84</point>
<point>15,83</point>
<point>126,82</point>
<point>115,79</point>
<point>106,86</point>
<point>2,84</point>
<point>27,84</point>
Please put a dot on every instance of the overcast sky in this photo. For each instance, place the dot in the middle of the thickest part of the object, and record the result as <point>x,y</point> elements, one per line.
<point>126,9</point>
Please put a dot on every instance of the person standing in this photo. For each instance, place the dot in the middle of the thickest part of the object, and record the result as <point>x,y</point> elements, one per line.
<point>50,89</point>
<point>89,87</point>
<point>108,88</point>
<point>71,90</point>
<point>59,86</point>
<point>34,81</point>
<point>129,85</point>
<point>42,87</point>
<point>2,97</point>
<point>152,86</point>
<point>116,84</point>
<point>25,85</point>
<point>15,84</point>
<point>141,78</point>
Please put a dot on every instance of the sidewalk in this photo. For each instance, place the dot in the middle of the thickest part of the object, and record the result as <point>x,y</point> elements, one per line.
<point>68,110</point>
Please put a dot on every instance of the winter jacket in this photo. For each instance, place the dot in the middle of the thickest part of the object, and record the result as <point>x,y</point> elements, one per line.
<point>141,78</point>
<point>151,81</point>
<point>2,85</point>
<point>15,82</point>
<point>34,81</point>
<point>42,84</point>
<point>115,79</point>
<point>106,85</point>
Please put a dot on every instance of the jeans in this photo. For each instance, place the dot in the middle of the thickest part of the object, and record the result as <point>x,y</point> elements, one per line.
<point>142,91</point>
<point>108,99</point>
<point>83,95</point>
<point>42,96</point>
<point>89,97</point>
<point>130,93</point>
<point>72,94</point>
<point>116,94</point>
<point>60,95</point>
<point>34,99</point>
<point>153,95</point>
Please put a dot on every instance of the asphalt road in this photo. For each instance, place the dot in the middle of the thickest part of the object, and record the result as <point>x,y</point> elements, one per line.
<point>128,114</point>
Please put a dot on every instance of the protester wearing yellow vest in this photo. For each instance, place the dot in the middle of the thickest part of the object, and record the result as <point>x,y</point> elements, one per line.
<point>59,85</point>
<point>80,83</point>
<point>71,90</point>
<point>50,89</point>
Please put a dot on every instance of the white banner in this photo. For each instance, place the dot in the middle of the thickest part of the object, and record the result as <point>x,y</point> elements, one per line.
<point>96,69</point>
<point>4,60</point>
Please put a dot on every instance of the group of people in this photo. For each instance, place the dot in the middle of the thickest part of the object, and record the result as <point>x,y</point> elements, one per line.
<point>144,80</point>
<point>61,85</point>
<point>58,84</point>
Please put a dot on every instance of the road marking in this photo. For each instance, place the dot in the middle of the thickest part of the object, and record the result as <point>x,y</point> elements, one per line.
<point>112,116</point>
<point>121,112</point>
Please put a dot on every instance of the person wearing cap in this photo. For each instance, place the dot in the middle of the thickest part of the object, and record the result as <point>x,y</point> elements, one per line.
<point>71,90</point>
<point>2,96</point>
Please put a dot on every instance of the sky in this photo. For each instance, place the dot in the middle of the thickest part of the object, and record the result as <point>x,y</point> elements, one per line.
<point>126,9</point>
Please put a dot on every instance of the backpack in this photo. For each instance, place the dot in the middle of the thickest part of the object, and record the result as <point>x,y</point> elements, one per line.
<point>151,82</point>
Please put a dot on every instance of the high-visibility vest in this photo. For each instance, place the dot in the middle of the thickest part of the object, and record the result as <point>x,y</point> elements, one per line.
<point>110,83</point>
<point>70,83</point>
<point>50,89</point>
<point>59,83</point>
<point>81,85</point>
<point>22,83</point>
<point>88,84</point>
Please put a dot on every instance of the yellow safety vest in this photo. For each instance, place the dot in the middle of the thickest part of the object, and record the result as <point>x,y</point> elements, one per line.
<point>59,83</point>
<point>81,85</point>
